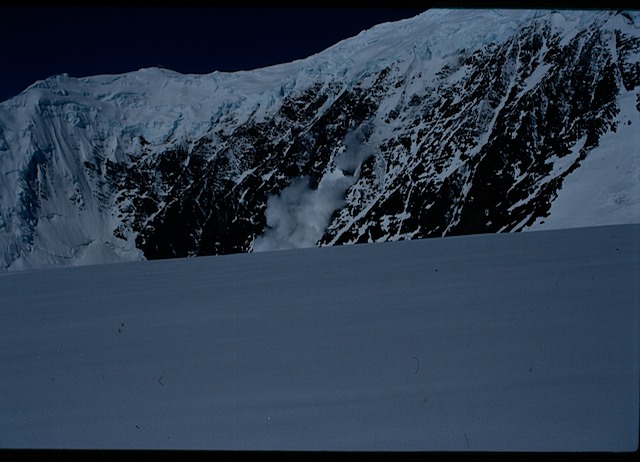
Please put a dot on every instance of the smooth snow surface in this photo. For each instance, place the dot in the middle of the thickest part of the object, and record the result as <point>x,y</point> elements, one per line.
<point>514,342</point>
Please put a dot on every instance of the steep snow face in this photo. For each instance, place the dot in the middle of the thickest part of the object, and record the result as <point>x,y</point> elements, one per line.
<point>452,122</point>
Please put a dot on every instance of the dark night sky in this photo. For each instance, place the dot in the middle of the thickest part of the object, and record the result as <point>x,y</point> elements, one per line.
<point>38,42</point>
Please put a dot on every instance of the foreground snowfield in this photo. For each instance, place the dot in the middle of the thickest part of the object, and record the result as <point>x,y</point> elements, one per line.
<point>516,342</point>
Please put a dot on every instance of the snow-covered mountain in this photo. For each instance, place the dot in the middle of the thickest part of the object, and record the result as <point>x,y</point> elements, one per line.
<point>452,122</point>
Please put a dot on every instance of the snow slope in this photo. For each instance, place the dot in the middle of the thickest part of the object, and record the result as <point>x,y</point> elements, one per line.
<point>499,342</point>
<point>606,188</point>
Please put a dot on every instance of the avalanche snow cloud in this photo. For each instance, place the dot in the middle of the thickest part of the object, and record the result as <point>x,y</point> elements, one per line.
<point>453,122</point>
<point>494,342</point>
<point>299,215</point>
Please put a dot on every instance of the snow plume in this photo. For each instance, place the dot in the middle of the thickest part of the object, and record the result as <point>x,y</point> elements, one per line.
<point>299,215</point>
<point>356,150</point>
